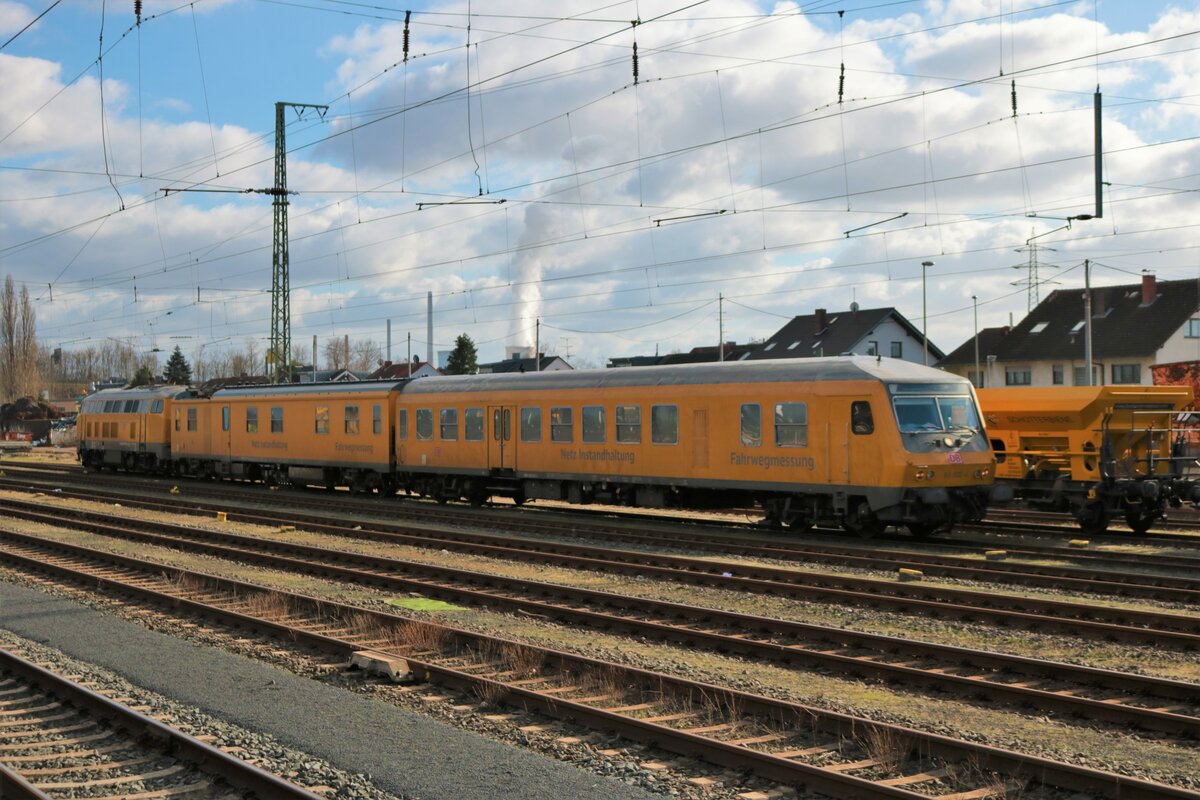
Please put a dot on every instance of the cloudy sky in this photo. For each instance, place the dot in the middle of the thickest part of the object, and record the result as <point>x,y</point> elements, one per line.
<point>514,167</point>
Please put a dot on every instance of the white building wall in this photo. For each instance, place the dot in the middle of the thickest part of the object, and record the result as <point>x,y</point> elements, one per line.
<point>887,332</point>
<point>1179,347</point>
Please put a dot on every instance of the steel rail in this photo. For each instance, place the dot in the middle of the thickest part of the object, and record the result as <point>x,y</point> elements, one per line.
<point>1028,768</point>
<point>1130,584</point>
<point>694,623</point>
<point>208,759</point>
<point>1157,628</point>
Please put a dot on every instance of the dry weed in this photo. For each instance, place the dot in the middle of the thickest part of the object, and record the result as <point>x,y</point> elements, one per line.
<point>887,746</point>
<point>417,637</point>
<point>267,605</point>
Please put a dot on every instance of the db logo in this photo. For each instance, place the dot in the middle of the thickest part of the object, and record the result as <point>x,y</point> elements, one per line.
<point>954,458</point>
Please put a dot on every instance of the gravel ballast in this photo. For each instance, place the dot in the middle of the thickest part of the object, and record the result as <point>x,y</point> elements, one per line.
<point>401,752</point>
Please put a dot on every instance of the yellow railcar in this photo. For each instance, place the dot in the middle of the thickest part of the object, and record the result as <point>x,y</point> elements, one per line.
<point>862,442</point>
<point>332,433</point>
<point>127,428</point>
<point>1097,451</point>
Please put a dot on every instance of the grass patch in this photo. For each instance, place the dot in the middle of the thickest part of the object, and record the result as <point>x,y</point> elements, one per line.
<point>424,604</point>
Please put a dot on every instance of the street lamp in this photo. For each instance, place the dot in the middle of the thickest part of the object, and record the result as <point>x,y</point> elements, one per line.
<point>925,311</point>
<point>978,374</point>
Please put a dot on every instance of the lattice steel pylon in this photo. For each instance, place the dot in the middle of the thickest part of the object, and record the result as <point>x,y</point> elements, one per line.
<point>279,351</point>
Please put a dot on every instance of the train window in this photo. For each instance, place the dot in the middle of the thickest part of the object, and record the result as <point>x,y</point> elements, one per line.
<point>402,423</point>
<point>424,424</point>
<point>496,424</point>
<point>664,424</point>
<point>791,424</point>
<point>562,425</point>
<point>251,419</point>
<point>629,424</point>
<point>473,425</point>
<point>751,425</point>
<point>131,406</point>
<point>276,419</point>
<point>350,425</point>
<point>376,419</point>
<point>862,423</point>
<point>156,407</point>
<point>593,424</point>
<point>507,425</point>
<point>531,424</point>
<point>191,420</point>
<point>225,418</point>
<point>177,419</point>
<point>322,419</point>
<point>449,424</point>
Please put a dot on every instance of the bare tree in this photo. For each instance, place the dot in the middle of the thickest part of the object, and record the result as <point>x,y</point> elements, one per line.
<point>27,347</point>
<point>19,371</point>
<point>336,352</point>
<point>9,323</point>
<point>365,354</point>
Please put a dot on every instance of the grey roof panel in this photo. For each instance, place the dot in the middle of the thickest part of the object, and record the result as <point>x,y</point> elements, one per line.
<point>807,370</point>
<point>349,387</point>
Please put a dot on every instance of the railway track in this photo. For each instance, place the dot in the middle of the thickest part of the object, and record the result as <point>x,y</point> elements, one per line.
<point>1096,621</point>
<point>1116,579</point>
<point>60,739</point>
<point>1149,703</point>
<point>837,754</point>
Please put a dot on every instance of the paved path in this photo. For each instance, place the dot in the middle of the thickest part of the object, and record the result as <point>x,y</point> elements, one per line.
<point>403,752</point>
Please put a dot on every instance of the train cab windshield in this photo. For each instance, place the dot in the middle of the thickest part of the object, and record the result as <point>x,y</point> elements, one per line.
<point>945,410</point>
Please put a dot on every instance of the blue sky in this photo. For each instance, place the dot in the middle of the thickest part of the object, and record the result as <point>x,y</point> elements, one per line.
<point>609,231</point>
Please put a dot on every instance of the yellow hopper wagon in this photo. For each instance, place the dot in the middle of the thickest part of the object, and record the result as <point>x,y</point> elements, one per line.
<point>1099,452</point>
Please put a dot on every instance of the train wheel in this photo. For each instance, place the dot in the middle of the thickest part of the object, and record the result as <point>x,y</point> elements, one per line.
<point>921,530</point>
<point>1140,521</point>
<point>1093,517</point>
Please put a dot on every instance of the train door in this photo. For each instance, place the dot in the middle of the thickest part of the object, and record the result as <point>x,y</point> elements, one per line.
<point>502,445</point>
<point>854,457</point>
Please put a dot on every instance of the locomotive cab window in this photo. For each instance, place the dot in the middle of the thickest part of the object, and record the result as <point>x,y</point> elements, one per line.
<point>562,425</point>
<point>593,424</point>
<point>322,419</point>
<point>191,420</point>
<point>424,424</point>
<point>751,425</point>
<point>629,424</point>
<point>351,424</point>
<point>402,424</point>
<point>251,419</point>
<point>473,425</point>
<point>664,424</point>
<point>376,419</point>
<point>276,419</point>
<point>156,407</point>
<point>531,424</point>
<point>791,425</point>
<point>449,431</point>
<point>862,423</point>
<point>177,419</point>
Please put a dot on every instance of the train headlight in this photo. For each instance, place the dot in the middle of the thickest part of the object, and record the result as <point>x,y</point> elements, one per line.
<point>920,475</point>
<point>948,441</point>
<point>982,473</point>
<point>929,475</point>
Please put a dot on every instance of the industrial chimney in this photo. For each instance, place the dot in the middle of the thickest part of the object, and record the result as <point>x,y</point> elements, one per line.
<point>429,327</point>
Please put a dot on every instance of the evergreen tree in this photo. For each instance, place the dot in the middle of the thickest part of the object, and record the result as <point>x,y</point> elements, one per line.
<point>178,372</point>
<point>462,359</point>
<point>143,377</point>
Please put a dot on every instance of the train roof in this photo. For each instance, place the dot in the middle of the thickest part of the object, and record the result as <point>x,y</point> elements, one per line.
<point>784,370</point>
<point>139,393</point>
<point>348,387</point>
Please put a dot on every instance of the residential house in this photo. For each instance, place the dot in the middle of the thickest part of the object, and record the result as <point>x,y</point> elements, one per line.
<point>516,362</point>
<point>397,372</point>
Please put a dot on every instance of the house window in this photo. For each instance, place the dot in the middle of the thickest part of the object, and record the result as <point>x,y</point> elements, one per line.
<point>376,419</point>
<point>897,349</point>
<point>1041,326</point>
<point>561,425</point>
<point>424,424</point>
<point>593,424</point>
<point>862,422</point>
<point>402,423</point>
<point>191,420</point>
<point>791,424</point>
<point>872,348</point>
<point>1017,376</point>
<point>664,424</point>
<point>1079,375</point>
<point>322,419</point>
<point>1193,329</point>
<point>473,425</point>
<point>531,424</point>
<point>449,424</point>
<point>276,419</point>
<point>1126,373</point>
<point>1056,374</point>
<point>751,425</point>
<point>629,424</point>
<point>351,420</point>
